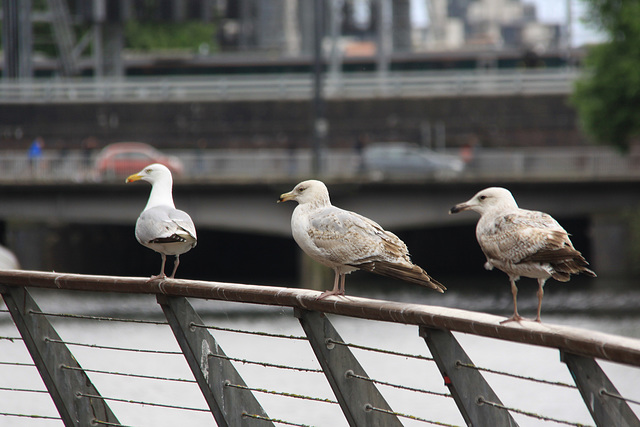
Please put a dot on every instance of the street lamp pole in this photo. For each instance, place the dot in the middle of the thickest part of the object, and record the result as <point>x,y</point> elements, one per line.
<point>320,125</point>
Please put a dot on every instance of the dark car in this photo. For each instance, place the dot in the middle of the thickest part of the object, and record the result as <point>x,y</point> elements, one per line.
<point>387,160</point>
<point>121,159</point>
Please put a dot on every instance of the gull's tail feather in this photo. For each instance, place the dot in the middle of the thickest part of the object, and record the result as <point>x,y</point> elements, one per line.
<point>409,273</point>
<point>564,259</point>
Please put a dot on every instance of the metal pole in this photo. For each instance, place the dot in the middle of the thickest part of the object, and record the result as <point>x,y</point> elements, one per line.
<point>568,32</point>
<point>320,125</point>
<point>17,39</point>
<point>77,400</point>
<point>468,387</point>
<point>599,394</point>
<point>217,377</point>
<point>360,400</point>
<point>384,41</point>
<point>99,17</point>
<point>335,67</point>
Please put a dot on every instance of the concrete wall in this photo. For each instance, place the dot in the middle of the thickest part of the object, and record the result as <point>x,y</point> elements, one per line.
<point>491,121</point>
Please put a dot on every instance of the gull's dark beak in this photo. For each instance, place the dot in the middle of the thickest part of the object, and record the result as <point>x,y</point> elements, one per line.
<point>459,208</point>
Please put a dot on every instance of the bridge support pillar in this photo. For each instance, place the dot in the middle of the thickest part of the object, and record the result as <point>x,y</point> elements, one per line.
<point>612,244</point>
<point>30,243</point>
<point>314,275</point>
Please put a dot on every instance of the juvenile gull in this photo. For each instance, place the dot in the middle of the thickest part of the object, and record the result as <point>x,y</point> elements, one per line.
<point>346,241</point>
<point>521,242</point>
<point>161,226</point>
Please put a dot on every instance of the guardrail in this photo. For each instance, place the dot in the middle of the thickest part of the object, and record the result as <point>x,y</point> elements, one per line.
<point>568,163</point>
<point>234,402</point>
<point>288,86</point>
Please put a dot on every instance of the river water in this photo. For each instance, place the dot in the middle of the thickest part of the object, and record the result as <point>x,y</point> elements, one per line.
<point>610,306</point>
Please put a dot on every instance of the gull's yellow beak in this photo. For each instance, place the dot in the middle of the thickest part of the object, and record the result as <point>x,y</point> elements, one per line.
<point>134,177</point>
<point>286,197</point>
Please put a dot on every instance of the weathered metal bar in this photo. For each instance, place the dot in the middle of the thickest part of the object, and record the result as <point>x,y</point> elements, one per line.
<point>213,374</point>
<point>64,385</point>
<point>573,340</point>
<point>467,386</point>
<point>356,397</point>
<point>593,383</point>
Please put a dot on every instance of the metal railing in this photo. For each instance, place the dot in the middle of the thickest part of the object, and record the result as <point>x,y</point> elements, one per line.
<point>569,163</point>
<point>363,399</point>
<point>288,86</point>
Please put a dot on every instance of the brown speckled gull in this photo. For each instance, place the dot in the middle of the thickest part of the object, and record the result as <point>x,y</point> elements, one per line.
<point>346,241</point>
<point>521,242</point>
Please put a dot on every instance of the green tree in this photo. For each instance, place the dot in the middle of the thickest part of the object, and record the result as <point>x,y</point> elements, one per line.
<point>150,36</point>
<point>608,97</point>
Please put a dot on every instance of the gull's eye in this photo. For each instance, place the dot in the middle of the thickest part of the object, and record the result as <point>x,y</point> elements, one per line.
<point>483,197</point>
<point>301,189</point>
<point>149,170</point>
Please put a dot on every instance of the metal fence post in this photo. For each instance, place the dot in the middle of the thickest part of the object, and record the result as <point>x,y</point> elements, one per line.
<point>468,387</point>
<point>213,372</point>
<point>598,392</point>
<point>75,397</point>
<point>361,402</point>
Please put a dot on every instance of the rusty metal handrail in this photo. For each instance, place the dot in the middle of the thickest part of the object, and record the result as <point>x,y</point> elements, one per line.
<point>568,339</point>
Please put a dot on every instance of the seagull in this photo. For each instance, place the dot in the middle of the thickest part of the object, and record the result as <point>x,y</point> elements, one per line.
<point>161,226</point>
<point>346,241</point>
<point>522,242</point>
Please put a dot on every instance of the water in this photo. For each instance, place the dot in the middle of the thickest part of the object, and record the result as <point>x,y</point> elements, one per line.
<point>599,304</point>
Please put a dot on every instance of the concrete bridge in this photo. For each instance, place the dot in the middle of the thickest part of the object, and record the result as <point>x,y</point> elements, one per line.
<point>493,108</point>
<point>40,219</point>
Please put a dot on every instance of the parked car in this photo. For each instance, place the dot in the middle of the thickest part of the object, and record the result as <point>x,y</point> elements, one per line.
<point>386,160</point>
<point>124,158</point>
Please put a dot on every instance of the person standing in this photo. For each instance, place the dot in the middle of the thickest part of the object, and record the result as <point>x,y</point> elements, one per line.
<point>35,154</point>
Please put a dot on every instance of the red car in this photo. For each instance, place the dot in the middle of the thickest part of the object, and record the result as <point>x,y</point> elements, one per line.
<point>121,159</point>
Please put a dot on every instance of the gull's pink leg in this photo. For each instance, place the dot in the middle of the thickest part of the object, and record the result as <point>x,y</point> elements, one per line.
<point>175,266</point>
<point>336,287</point>
<point>341,290</point>
<point>540,295</point>
<point>514,291</point>
<point>161,275</point>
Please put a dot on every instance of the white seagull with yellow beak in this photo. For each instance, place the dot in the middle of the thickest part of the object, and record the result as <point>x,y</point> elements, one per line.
<point>160,226</point>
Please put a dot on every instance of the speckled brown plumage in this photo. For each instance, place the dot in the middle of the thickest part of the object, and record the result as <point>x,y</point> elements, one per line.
<point>522,242</point>
<point>346,241</point>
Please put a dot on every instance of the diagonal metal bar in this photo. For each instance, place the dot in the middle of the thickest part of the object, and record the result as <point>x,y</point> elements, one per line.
<point>64,385</point>
<point>357,398</point>
<point>468,387</point>
<point>594,385</point>
<point>213,374</point>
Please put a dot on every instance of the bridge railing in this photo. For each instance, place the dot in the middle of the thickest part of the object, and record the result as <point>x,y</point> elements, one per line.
<point>287,86</point>
<point>75,384</point>
<point>573,163</point>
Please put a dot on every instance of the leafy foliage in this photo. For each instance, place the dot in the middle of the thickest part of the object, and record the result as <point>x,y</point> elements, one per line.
<point>608,98</point>
<point>148,36</point>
